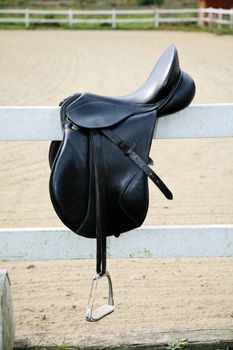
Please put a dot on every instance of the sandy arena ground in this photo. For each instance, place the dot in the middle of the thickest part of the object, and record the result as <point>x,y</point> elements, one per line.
<point>43,67</point>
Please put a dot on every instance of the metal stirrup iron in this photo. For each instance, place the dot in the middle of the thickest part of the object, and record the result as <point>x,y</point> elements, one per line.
<point>93,315</point>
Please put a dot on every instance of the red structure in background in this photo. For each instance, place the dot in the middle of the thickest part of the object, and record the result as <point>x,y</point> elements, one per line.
<point>225,4</point>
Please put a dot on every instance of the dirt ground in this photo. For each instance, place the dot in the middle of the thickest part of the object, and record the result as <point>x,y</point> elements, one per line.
<point>158,296</point>
<point>156,300</point>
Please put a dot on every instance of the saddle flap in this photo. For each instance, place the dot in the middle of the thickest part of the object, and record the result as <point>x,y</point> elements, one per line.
<point>91,111</point>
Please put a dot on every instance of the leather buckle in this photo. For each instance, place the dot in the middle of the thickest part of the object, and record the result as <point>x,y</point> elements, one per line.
<point>125,148</point>
<point>93,315</point>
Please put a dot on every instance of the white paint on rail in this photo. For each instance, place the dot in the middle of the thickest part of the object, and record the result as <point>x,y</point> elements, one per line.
<point>145,242</point>
<point>43,123</point>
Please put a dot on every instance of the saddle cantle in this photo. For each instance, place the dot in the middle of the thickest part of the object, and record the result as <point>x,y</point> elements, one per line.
<point>99,177</point>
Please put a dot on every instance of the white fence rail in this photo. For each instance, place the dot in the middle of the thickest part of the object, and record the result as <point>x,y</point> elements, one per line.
<point>42,123</point>
<point>200,16</point>
<point>146,242</point>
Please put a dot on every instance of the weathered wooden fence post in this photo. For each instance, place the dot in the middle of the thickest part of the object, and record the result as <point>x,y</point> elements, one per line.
<point>220,18</point>
<point>156,18</point>
<point>70,17</point>
<point>210,16</point>
<point>7,323</point>
<point>200,20</point>
<point>231,19</point>
<point>113,18</point>
<point>27,20</point>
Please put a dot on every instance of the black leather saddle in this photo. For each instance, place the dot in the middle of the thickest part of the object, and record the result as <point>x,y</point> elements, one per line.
<point>100,170</point>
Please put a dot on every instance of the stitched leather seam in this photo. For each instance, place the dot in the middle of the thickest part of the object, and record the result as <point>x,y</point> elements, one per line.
<point>121,199</point>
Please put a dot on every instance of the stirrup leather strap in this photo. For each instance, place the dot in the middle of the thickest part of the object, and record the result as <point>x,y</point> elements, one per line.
<point>100,198</point>
<point>93,314</point>
<point>129,152</point>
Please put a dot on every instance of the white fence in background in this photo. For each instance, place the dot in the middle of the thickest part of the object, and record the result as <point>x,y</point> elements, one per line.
<point>200,16</point>
<point>42,123</point>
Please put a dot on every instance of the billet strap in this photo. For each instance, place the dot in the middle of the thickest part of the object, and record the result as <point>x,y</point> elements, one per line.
<point>129,152</point>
